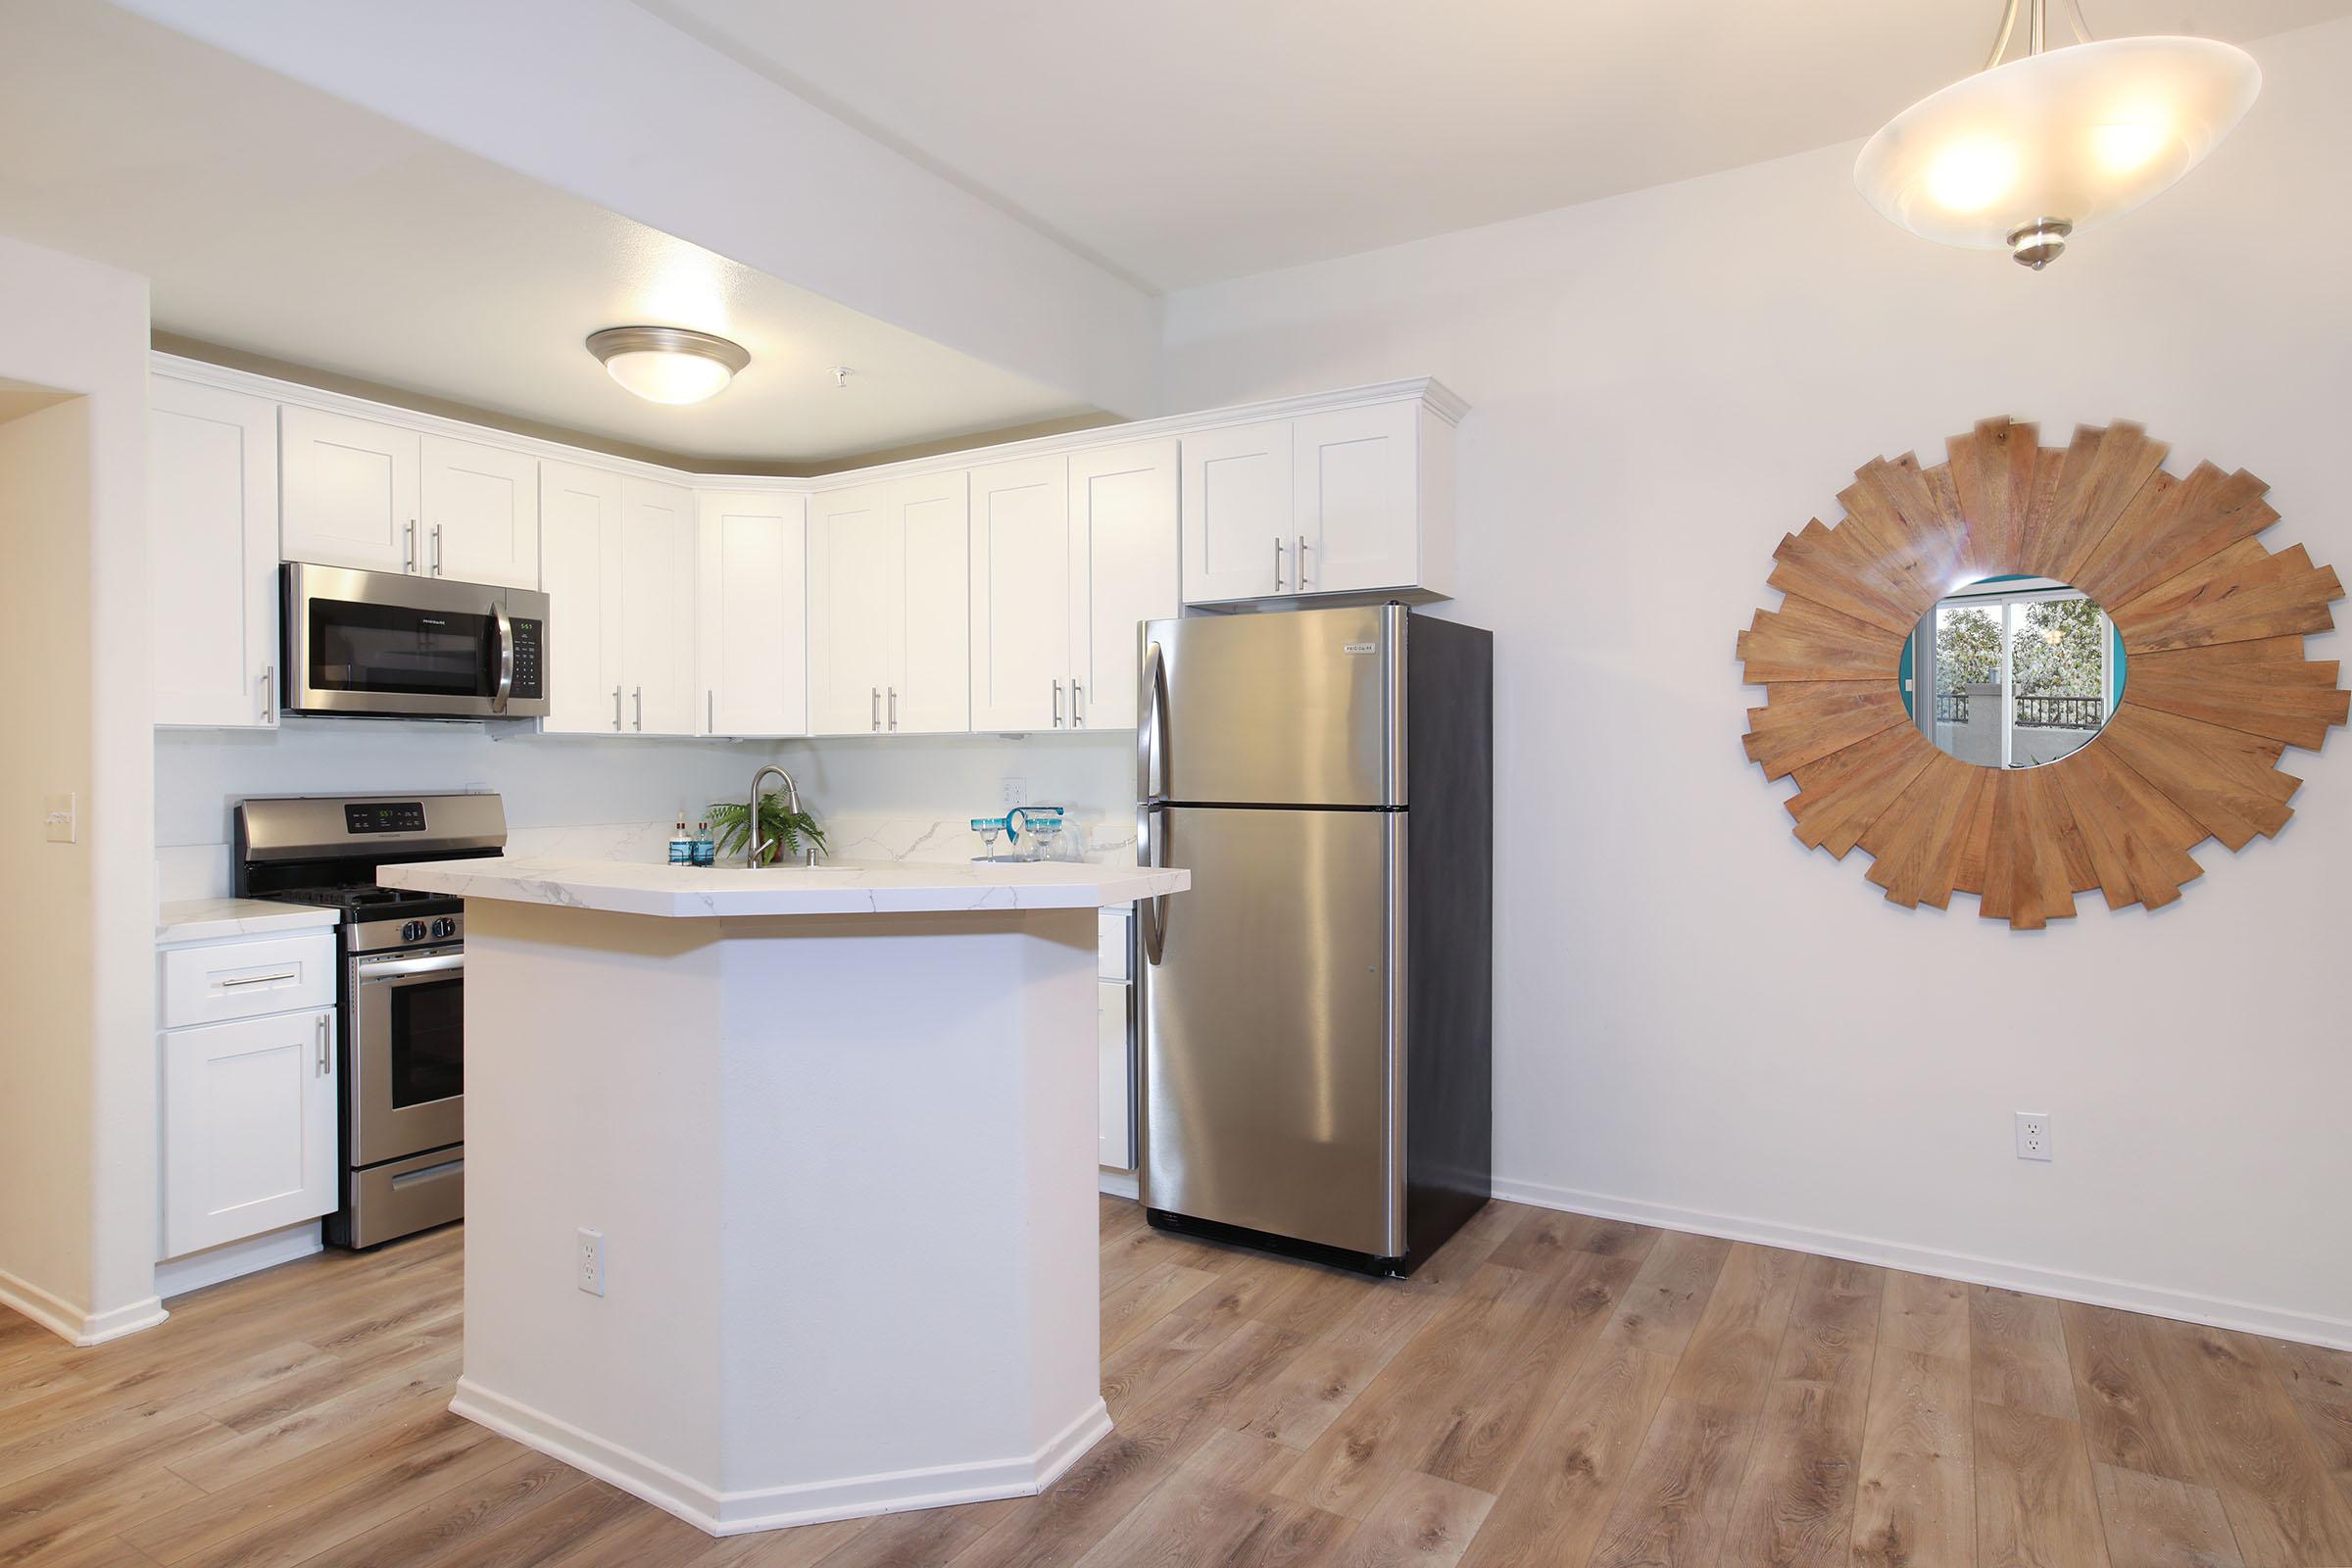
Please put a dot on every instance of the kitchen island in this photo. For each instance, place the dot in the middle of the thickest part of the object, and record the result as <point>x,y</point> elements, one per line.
<point>780,1187</point>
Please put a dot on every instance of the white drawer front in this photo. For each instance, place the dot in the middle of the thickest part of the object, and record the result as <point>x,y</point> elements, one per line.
<point>1113,962</point>
<point>225,980</point>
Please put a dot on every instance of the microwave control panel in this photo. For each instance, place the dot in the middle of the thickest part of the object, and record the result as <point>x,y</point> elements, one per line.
<point>530,637</point>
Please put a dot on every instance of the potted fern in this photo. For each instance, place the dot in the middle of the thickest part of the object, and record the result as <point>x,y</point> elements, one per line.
<point>786,832</point>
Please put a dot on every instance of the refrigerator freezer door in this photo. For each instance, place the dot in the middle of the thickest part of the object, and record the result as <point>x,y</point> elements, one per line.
<point>1297,708</point>
<point>1269,1042</point>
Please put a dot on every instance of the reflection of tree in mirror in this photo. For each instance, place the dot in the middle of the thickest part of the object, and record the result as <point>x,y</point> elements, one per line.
<point>2057,652</point>
<point>1968,648</point>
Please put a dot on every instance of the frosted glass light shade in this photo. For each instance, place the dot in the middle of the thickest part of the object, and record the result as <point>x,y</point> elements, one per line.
<point>667,363</point>
<point>2074,136</point>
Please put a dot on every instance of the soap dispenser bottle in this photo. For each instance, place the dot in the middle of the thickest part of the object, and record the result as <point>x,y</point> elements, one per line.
<point>681,843</point>
<point>705,848</point>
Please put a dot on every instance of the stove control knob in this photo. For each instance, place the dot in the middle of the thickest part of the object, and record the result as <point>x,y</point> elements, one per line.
<point>413,931</point>
<point>445,927</point>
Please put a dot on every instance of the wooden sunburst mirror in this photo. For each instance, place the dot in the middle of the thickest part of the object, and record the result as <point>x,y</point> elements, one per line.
<point>2215,685</point>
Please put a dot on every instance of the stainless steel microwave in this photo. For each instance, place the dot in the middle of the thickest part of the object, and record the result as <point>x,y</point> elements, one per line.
<point>379,644</point>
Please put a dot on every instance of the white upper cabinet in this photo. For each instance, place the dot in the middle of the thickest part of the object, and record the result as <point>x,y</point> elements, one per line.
<point>480,514</point>
<point>854,602</point>
<point>350,494</point>
<point>1021,595</point>
<point>580,554</point>
<point>1238,506</point>
<point>1353,500</point>
<point>888,612</point>
<point>212,505</point>
<point>750,621</point>
<point>656,597</point>
<point>1123,554</point>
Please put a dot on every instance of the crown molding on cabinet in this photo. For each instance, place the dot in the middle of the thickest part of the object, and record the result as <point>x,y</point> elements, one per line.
<point>1439,399</point>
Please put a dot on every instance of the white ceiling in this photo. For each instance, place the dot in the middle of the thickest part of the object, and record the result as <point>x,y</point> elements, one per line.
<point>1185,142</point>
<point>283,223</point>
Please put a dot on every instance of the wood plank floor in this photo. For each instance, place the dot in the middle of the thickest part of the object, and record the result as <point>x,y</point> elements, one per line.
<point>1550,1391</point>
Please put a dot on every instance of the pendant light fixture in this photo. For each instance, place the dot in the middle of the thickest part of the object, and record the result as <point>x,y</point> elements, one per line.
<point>2028,155</point>
<point>667,363</point>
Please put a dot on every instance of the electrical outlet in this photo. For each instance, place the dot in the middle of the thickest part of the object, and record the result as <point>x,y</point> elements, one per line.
<point>59,818</point>
<point>2032,1135</point>
<point>592,1261</point>
<point>1017,793</point>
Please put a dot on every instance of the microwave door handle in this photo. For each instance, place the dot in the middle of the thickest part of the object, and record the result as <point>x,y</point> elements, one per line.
<point>506,658</point>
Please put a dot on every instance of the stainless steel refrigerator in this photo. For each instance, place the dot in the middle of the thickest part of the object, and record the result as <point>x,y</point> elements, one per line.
<point>1316,1013</point>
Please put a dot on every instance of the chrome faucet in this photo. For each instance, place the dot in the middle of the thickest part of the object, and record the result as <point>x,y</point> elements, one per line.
<point>792,803</point>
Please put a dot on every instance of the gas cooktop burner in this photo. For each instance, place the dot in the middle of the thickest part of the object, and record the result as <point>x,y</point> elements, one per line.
<point>359,898</point>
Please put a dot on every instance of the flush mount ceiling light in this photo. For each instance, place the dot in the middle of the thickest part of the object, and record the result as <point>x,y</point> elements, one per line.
<point>2025,156</point>
<point>667,363</point>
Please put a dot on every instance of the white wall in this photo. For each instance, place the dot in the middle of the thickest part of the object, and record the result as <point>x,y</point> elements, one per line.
<point>77,1146</point>
<point>1698,1020</point>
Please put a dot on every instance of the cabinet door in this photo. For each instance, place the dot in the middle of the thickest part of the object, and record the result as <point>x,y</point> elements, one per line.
<point>580,556</point>
<point>1356,522</point>
<point>751,613</point>
<point>930,682</point>
<point>481,513</point>
<point>212,511</point>
<point>1238,503</point>
<point>1114,1088</point>
<point>656,606</point>
<point>1020,595</point>
<point>854,608</point>
<point>1123,530</point>
<point>249,1127</point>
<point>350,491</point>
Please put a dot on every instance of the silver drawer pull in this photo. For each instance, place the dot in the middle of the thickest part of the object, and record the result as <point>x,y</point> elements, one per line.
<point>263,979</point>
<point>430,1173</point>
<point>323,1023</point>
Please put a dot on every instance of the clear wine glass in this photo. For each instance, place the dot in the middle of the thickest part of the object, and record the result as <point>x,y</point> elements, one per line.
<point>988,827</point>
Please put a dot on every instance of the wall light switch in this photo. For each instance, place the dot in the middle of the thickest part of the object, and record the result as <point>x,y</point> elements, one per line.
<point>59,818</point>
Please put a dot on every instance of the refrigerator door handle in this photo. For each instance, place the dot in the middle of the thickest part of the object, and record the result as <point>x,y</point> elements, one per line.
<point>1152,712</point>
<point>1154,912</point>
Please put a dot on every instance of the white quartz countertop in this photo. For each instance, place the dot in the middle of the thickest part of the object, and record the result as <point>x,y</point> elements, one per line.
<point>624,887</point>
<point>210,920</point>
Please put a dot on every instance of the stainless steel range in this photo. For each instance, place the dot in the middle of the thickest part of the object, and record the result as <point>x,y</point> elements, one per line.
<point>402,995</point>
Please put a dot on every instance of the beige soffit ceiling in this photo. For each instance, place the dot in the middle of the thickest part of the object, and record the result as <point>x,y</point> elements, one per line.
<point>1182,143</point>
<point>281,223</point>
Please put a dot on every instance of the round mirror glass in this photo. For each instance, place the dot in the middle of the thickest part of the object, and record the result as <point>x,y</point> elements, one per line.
<point>2013,671</point>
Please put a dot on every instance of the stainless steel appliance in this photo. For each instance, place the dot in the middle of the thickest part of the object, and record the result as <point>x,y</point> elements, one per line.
<point>402,995</point>
<point>1316,1013</point>
<point>385,645</point>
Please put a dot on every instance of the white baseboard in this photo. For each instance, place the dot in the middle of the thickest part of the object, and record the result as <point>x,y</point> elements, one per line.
<point>2089,1289</point>
<point>179,1275</point>
<point>1118,1183</point>
<point>71,1323</point>
<point>735,1514</point>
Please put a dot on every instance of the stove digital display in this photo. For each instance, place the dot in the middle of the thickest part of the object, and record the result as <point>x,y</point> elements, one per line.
<point>392,816</point>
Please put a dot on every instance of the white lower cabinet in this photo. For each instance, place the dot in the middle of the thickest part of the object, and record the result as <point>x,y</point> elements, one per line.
<point>249,1102</point>
<point>750,612</point>
<point>212,536</point>
<point>1114,1055</point>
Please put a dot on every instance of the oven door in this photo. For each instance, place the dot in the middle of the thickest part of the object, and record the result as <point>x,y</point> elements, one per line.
<point>408,1049</point>
<point>388,645</point>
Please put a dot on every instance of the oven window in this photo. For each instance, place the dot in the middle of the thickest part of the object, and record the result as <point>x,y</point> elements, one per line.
<point>429,1041</point>
<point>392,648</point>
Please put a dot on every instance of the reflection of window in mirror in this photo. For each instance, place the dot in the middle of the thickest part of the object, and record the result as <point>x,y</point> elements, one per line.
<point>2013,671</point>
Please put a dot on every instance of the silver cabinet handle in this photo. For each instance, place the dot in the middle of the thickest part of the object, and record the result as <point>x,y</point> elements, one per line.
<point>1057,705</point>
<point>874,710</point>
<point>615,710</point>
<point>894,710</point>
<point>1298,562</point>
<point>1077,706</point>
<point>260,979</point>
<point>323,1067</point>
<point>407,546</point>
<point>436,550</point>
<point>1278,562</point>
<point>710,709</point>
<point>269,693</point>
<point>638,696</point>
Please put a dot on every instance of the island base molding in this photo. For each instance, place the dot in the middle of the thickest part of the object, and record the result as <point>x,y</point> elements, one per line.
<point>779,1219</point>
<point>814,1503</point>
